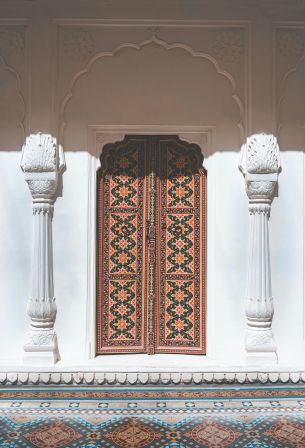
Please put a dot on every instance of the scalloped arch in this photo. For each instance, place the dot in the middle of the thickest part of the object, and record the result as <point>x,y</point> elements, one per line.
<point>138,46</point>
<point>16,76</point>
<point>283,85</point>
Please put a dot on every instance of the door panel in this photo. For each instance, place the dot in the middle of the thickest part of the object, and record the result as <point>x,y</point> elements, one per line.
<point>180,234</point>
<point>151,247</point>
<point>121,304</point>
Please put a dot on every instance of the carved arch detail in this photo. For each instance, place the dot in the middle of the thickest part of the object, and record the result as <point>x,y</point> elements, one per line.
<point>21,120</point>
<point>138,47</point>
<point>282,88</point>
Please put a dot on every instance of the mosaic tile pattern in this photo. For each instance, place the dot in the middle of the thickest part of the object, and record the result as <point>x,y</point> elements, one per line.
<point>49,419</point>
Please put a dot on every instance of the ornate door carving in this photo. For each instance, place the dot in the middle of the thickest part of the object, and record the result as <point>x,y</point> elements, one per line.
<point>151,247</point>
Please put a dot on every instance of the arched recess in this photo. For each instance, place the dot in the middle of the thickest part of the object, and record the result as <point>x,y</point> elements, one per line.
<point>12,108</point>
<point>152,83</point>
<point>291,108</point>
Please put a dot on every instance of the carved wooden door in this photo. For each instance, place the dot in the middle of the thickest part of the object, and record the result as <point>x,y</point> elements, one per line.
<point>151,237</point>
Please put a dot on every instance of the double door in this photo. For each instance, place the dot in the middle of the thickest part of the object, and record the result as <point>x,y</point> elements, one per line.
<point>151,236</point>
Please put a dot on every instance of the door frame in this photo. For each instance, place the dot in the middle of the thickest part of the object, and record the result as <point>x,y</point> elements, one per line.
<point>97,137</point>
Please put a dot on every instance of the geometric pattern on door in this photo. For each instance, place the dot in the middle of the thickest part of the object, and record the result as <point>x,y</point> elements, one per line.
<point>151,247</point>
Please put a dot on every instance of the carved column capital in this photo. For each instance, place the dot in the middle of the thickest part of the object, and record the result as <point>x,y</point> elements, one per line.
<point>260,165</point>
<point>42,163</point>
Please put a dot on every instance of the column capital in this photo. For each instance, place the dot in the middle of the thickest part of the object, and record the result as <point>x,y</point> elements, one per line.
<point>260,165</point>
<point>42,162</point>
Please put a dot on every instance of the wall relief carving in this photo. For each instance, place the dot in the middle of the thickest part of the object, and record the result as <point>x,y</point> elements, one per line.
<point>78,44</point>
<point>12,40</point>
<point>291,43</point>
<point>290,76</point>
<point>228,45</point>
<point>12,77</point>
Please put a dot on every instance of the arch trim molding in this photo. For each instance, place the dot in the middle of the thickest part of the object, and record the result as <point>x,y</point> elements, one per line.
<point>138,46</point>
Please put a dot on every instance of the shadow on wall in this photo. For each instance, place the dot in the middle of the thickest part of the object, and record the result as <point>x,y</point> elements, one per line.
<point>152,84</point>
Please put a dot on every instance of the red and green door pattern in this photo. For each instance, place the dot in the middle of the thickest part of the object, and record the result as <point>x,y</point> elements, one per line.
<point>151,247</point>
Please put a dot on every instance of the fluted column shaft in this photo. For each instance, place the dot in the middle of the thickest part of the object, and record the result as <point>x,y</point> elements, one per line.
<point>259,302</point>
<point>41,304</point>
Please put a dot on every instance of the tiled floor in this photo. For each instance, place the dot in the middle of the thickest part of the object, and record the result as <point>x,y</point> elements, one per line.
<point>186,417</point>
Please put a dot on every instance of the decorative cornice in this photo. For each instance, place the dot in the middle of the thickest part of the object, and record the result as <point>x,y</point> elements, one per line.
<point>148,378</point>
<point>17,77</point>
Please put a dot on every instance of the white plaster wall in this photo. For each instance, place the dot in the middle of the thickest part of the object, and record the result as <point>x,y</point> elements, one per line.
<point>286,239</point>
<point>70,258</point>
<point>15,255</point>
<point>154,70</point>
<point>226,268</point>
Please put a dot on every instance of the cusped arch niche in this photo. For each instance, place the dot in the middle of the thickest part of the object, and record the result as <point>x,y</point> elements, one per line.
<point>11,108</point>
<point>153,83</point>
<point>291,108</point>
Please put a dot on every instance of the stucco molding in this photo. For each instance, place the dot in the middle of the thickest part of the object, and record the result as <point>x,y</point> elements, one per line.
<point>15,58</point>
<point>228,45</point>
<point>17,77</point>
<point>97,378</point>
<point>290,44</point>
<point>154,40</point>
<point>78,44</point>
<point>12,40</point>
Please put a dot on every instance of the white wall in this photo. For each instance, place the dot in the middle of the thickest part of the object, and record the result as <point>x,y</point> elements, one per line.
<point>232,72</point>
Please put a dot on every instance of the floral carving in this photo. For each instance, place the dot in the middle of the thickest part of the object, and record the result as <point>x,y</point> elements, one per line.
<point>42,310</point>
<point>39,153</point>
<point>41,338</point>
<point>228,45</point>
<point>260,189</point>
<point>259,208</point>
<point>260,340</point>
<point>43,209</point>
<point>291,43</point>
<point>42,187</point>
<point>11,40</point>
<point>263,154</point>
<point>78,44</point>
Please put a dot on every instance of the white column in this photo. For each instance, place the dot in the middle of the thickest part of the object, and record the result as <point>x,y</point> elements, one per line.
<point>260,165</point>
<point>42,163</point>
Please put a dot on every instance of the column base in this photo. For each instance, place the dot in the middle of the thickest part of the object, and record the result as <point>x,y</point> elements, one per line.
<point>261,358</point>
<point>41,348</point>
<point>260,346</point>
<point>42,358</point>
